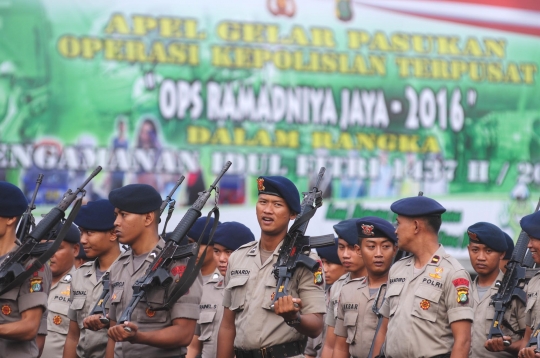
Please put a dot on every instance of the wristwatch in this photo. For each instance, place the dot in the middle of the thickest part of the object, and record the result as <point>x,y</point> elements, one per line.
<point>294,322</point>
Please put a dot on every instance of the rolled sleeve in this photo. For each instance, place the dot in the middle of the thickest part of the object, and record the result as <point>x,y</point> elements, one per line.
<point>311,294</point>
<point>385,309</point>
<point>458,311</point>
<point>187,306</point>
<point>460,314</point>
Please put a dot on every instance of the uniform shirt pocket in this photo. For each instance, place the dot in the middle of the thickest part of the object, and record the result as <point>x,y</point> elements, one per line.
<point>349,321</point>
<point>57,320</point>
<point>206,320</point>
<point>238,289</point>
<point>269,293</point>
<point>529,311</point>
<point>145,314</point>
<point>392,295</point>
<point>77,303</point>
<point>426,303</point>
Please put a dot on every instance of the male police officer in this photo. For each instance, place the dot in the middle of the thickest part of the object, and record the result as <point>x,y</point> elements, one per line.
<point>248,319</point>
<point>209,266</point>
<point>333,270</point>
<point>62,268</point>
<point>531,225</point>
<point>152,333</point>
<point>487,246</point>
<point>356,323</point>
<point>23,306</point>
<point>87,336</point>
<point>229,236</point>
<point>353,263</point>
<point>427,302</point>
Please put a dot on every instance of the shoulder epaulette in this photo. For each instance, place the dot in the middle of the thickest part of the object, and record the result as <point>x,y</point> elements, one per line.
<point>249,244</point>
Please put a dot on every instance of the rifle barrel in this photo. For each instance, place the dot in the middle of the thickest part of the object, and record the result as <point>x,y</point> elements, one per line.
<point>220,175</point>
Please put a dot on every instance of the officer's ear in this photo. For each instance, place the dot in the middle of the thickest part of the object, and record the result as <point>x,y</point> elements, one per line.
<point>76,249</point>
<point>357,248</point>
<point>150,218</point>
<point>112,235</point>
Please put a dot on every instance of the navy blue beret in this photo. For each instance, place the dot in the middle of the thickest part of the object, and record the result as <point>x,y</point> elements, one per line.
<point>372,226</point>
<point>96,215</point>
<point>531,224</point>
<point>232,235</point>
<point>329,253</point>
<point>12,200</point>
<point>346,230</point>
<point>417,206</point>
<point>197,229</point>
<point>136,198</point>
<point>489,235</point>
<point>73,236</point>
<point>282,187</point>
<point>510,244</point>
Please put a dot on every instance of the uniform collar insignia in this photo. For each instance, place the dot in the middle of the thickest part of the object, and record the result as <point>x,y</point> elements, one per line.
<point>253,250</point>
<point>67,278</point>
<point>215,276</point>
<point>435,259</point>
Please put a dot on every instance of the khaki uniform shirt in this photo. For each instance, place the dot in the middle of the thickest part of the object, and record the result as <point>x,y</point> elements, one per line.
<point>57,319</point>
<point>483,319</point>
<point>249,290</point>
<point>32,293</point>
<point>85,293</point>
<point>532,312</point>
<point>356,320</point>
<point>421,306</point>
<point>332,308</point>
<point>211,314</point>
<point>314,345</point>
<point>123,275</point>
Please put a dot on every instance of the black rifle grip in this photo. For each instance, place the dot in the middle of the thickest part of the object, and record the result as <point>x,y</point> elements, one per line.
<point>47,224</point>
<point>184,225</point>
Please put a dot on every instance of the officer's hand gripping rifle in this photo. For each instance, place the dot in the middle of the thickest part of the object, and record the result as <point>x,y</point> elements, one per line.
<point>511,287</point>
<point>13,270</point>
<point>158,274</point>
<point>296,246</point>
<point>99,308</point>
<point>27,219</point>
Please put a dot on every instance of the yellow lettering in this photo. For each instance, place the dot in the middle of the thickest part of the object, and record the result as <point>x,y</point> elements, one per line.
<point>495,47</point>
<point>239,136</point>
<point>321,140</point>
<point>69,46</point>
<point>403,64</point>
<point>117,25</point>
<point>380,42</point>
<point>290,139</point>
<point>366,141</point>
<point>400,42</point>
<point>472,48</point>
<point>261,138</point>
<point>448,45</point>
<point>422,44</point>
<point>197,135</point>
<point>298,37</point>
<point>528,70</point>
<point>142,25</point>
<point>494,72</point>
<point>221,56</point>
<point>512,73</point>
<point>90,46</point>
<point>113,50</point>
<point>322,37</point>
<point>344,141</point>
<point>221,136</point>
<point>431,145</point>
<point>356,39</point>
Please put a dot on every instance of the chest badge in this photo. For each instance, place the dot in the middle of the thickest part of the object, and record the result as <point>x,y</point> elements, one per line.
<point>36,284</point>
<point>57,320</point>
<point>150,312</point>
<point>437,274</point>
<point>6,310</point>
<point>424,304</point>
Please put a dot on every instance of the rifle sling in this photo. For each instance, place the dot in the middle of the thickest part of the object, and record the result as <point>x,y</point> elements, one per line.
<point>42,260</point>
<point>192,269</point>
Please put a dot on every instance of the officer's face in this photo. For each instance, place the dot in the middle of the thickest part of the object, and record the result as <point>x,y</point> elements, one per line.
<point>332,271</point>
<point>128,226</point>
<point>221,257</point>
<point>378,254</point>
<point>97,243</point>
<point>534,247</point>
<point>406,229</point>
<point>352,262</point>
<point>64,258</point>
<point>483,259</point>
<point>208,259</point>
<point>273,214</point>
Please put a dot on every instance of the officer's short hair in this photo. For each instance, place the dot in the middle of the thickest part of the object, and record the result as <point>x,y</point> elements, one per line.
<point>434,222</point>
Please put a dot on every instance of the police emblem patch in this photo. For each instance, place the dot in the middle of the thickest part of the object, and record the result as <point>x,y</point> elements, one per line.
<point>57,320</point>
<point>150,312</point>
<point>260,184</point>
<point>318,276</point>
<point>36,284</point>
<point>424,304</point>
<point>6,310</point>
<point>463,295</point>
<point>368,230</point>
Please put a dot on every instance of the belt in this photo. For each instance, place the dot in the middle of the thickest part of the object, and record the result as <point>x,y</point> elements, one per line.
<point>278,351</point>
<point>447,355</point>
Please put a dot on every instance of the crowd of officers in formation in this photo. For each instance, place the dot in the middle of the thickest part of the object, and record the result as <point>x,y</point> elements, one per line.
<point>431,307</point>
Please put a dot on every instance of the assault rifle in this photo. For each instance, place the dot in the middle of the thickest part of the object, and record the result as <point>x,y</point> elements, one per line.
<point>512,285</point>
<point>158,274</point>
<point>99,308</point>
<point>27,220</point>
<point>12,269</point>
<point>296,246</point>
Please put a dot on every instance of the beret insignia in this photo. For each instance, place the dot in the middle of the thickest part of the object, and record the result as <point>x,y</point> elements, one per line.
<point>260,184</point>
<point>368,229</point>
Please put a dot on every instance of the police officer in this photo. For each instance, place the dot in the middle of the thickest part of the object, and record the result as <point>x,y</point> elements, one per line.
<point>87,336</point>
<point>62,268</point>
<point>354,265</point>
<point>248,318</point>
<point>428,311</point>
<point>333,270</point>
<point>23,306</point>
<point>209,266</point>
<point>356,323</point>
<point>531,225</point>
<point>152,333</point>
<point>487,246</point>
<point>229,236</point>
